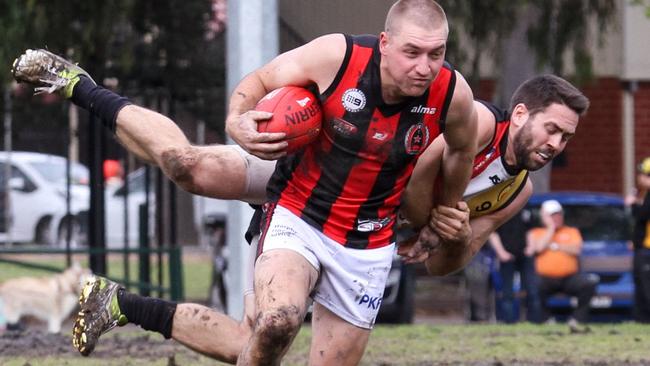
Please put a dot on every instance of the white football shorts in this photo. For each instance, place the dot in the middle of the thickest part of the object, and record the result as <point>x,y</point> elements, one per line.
<point>351,281</point>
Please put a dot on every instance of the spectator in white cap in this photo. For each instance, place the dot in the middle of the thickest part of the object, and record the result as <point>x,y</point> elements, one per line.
<point>551,207</point>
<point>557,263</point>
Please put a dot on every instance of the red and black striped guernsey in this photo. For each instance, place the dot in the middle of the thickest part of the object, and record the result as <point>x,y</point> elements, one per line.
<point>349,182</point>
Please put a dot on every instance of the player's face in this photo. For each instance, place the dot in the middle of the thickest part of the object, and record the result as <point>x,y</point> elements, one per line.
<point>544,135</point>
<point>411,59</point>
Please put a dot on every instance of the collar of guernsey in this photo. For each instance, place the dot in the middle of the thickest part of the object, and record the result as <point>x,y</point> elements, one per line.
<point>494,184</point>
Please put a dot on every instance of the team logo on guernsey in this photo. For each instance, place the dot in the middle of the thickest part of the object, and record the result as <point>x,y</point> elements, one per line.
<point>478,165</point>
<point>420,109</point>
<point>353,100</point>
<point>343,127</point>
<point>505,191</point>
<point>370,225</point>
<point>416,139</point>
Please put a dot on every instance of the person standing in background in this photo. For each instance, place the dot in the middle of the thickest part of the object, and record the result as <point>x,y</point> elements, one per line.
<point>513,253</point>
<point>640,206</point>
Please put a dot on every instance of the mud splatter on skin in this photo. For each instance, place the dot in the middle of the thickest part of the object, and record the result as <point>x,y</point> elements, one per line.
<point>340,356</point>
<point>205,315</point>
<point>180,163</point>
<point>275,330</point>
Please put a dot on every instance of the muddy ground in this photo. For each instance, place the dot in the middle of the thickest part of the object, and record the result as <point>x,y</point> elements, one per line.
<point>34,343</point>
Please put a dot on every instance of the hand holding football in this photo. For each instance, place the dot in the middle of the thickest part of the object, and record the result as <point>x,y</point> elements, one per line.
<point>296,112</point>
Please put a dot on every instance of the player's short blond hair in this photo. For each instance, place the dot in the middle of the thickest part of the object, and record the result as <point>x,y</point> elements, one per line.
<point>423,13</point>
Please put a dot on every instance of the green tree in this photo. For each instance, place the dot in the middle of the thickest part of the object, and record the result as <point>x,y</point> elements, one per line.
<point>177,58</point>
<point>80,30</point>
<point>12,20</point>
<point>645,4</point>
<point>139,45</point>
<point>563,25</point>
<point>485,23</point>
<point>560,25</point>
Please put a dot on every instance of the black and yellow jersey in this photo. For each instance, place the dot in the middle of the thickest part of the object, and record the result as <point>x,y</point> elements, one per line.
<point>494,184</point>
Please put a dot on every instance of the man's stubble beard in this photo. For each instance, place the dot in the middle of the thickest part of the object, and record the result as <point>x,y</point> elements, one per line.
<point>522,145</point>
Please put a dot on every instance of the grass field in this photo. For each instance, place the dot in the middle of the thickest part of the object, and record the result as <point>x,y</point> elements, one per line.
<point>196,269</point>
<point>521,344</point>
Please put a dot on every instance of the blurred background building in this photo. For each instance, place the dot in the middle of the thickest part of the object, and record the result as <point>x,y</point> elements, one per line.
<point>170,56</point>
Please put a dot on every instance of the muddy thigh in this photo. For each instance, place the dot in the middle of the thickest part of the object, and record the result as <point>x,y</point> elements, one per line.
<point>283,281</point>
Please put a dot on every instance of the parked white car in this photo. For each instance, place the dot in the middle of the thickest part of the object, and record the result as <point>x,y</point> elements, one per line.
<point>204,209</point>
<point>115,214</point>
<point>37,187</point>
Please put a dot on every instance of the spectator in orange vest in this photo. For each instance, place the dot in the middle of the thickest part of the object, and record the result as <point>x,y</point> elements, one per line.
<point>557,263</point>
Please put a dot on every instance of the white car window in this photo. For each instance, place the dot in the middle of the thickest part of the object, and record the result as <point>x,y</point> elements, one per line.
<point>55,172</point>
<point>136,183</point>
<point>29,186</point>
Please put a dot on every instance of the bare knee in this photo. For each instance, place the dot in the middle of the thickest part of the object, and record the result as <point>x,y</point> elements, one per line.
<point>276,328</point>
<point>179,164</point>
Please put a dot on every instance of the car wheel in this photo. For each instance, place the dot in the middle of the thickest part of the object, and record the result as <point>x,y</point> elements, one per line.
<point>72,225</point>
<point>43,232</point>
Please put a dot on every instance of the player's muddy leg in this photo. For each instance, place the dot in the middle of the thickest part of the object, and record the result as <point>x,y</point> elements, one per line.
<point>283,281</point>
<point>209,332</point>
<point>334,340</point>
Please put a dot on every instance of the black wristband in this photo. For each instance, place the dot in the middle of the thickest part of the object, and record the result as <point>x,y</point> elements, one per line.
<point>99,101</point>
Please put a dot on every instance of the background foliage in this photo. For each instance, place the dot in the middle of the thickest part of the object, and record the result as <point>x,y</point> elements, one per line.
<point>169,55</point>
<point>163,54</point>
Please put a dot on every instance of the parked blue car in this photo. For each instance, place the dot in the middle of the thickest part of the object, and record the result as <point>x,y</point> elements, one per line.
<point>605,227</point>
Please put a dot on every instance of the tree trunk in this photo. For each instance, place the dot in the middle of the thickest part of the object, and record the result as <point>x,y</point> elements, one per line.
<point>519,65</point>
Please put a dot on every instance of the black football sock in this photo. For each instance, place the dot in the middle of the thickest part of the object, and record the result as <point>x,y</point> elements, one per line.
<point>150,313</point>
<point>98,100</point>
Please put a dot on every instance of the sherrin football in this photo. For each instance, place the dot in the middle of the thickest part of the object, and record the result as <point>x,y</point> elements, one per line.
<point>296,112</point>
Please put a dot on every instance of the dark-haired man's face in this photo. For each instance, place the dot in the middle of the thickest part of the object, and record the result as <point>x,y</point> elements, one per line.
<point>543,136</point>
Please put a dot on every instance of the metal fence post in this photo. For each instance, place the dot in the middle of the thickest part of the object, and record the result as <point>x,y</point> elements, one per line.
<point>176,274</point>
<point>144,263</point>
<point>96,229</point>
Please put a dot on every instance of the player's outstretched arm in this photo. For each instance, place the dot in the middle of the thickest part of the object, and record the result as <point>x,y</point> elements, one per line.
<point>419,195</point>
<point>457,152</point>
<point>316,62</point>
<point>453,256</point>
<point>461,137</point>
